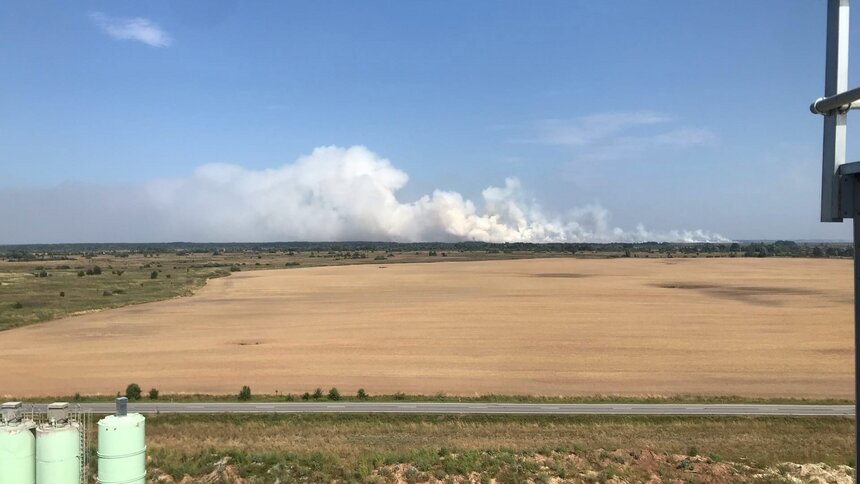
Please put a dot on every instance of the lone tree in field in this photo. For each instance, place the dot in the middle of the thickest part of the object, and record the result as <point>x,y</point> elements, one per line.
<point>245,393</point>
<point>153,275</point>
<point>361,394</point>
<point>132,391</point>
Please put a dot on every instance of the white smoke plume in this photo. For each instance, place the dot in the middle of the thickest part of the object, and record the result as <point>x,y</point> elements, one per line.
<point>337,194</point>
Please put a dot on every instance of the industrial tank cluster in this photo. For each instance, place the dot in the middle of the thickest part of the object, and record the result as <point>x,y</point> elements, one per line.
<point>51,448</point>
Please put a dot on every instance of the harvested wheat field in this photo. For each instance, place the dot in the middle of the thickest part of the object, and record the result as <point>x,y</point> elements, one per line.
<point>752,327</point>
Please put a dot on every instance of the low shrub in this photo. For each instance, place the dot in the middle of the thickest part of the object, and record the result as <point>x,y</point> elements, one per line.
<point>132,391</point>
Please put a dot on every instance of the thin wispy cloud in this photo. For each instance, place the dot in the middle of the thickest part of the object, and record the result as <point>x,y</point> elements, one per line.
<point>588,130</point>
<point>137,28</point>
<point>620,135</point>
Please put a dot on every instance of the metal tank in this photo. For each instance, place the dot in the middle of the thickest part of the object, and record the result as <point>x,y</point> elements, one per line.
<point>58,448</point>
<point>122,447</point>
<point>17,446</point>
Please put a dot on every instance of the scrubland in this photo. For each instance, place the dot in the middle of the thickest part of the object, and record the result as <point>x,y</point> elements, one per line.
<point>408,448</point>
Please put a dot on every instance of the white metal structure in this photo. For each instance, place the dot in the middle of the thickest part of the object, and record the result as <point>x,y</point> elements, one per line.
<point>840,181</point>
<point>47,415</point>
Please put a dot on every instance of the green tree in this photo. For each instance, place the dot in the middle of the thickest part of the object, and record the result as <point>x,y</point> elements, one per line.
<point>361,394</point>
<point>153,394</point>
<point>132,391</point>
<point>245,393</point>
<point>317,394</point>
<point>333,394</point>
<point>153,275</point>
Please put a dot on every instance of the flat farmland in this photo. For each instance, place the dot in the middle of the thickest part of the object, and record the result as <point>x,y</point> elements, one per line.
<point>768,327</point>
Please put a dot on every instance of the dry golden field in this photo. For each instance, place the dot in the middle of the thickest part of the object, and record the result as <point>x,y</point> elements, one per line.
<point>740,326</point>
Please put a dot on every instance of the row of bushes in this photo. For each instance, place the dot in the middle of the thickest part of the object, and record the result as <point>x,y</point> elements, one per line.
<point>133,392</point>
<point>333,394</point>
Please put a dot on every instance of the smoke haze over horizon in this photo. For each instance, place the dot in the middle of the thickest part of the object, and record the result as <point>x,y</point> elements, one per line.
<point>332,194</point>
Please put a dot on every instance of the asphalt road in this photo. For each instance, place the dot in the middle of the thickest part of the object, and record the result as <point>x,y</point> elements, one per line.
<point>482,408</point>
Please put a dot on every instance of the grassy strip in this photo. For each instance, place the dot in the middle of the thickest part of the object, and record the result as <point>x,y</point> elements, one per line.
<point>443,398</point>
<point>358,447</point>
<point>26,298</point>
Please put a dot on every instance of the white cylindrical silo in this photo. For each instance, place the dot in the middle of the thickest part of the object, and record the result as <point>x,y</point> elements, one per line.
<point>17,452</point>
<point>58,453</point>
<point>122,447</point>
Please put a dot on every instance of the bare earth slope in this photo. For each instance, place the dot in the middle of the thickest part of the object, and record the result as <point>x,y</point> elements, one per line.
<point>753,327</point>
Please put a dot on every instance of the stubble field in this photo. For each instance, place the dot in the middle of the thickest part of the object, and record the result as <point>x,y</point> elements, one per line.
<point>750,327</point>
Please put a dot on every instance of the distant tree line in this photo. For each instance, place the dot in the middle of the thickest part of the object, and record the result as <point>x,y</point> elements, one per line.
<point>357,250</point>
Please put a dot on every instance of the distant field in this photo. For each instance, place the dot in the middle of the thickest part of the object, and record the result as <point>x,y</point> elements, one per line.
<point>752,327</point>
<point>42,290</point>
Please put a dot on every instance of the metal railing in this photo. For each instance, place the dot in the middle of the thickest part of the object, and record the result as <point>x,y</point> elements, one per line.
<point>841,102</point>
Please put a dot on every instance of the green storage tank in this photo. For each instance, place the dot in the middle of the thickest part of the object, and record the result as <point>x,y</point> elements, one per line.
<point>58,453</point>
<point>17,452</point>
<point>122,448</point>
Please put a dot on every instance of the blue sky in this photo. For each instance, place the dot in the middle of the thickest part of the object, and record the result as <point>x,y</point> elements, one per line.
<point>676,115</point>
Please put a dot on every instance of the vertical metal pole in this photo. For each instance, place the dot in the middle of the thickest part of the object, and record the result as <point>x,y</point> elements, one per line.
<point>835,82</point>
<point>854,186</point>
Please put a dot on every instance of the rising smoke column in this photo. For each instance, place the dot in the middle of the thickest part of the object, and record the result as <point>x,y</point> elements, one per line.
<point>350,194</point>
